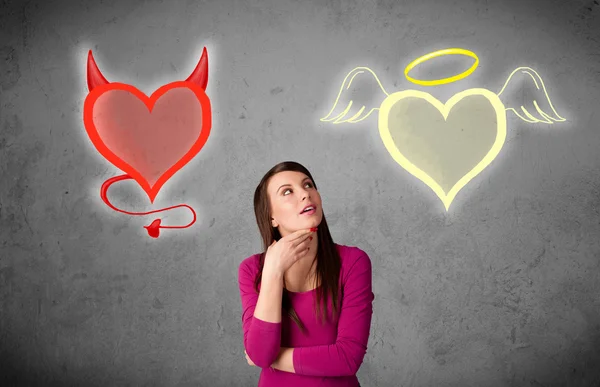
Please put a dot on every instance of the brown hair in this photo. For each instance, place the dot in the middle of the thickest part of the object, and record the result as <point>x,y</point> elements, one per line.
<point>328,258</point>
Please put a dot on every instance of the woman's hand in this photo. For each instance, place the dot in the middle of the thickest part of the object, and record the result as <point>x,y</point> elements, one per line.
<point>282,254</point>
<point>249,360</point>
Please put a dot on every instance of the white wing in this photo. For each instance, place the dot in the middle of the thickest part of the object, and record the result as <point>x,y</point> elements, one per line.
<point>351,104</point>
<point>530,79</point>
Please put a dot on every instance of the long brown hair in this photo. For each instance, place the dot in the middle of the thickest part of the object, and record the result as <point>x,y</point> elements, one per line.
<point>328,259</point>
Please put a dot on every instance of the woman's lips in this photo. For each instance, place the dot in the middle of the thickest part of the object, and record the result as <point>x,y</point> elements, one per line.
<point>311,212</point>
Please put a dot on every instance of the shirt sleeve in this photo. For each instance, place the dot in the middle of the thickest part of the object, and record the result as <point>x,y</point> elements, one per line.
<point>345,357</point>
<point>262,339</point>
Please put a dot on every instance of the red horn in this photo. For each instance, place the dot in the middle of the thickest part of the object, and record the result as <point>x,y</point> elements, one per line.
<point>200,74</point>
<point>94,76</point>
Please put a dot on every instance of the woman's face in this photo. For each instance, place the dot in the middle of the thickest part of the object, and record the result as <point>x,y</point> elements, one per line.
<point>289,193</point>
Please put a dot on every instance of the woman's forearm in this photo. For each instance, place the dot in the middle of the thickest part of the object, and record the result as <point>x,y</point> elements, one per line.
<point>268,305</point>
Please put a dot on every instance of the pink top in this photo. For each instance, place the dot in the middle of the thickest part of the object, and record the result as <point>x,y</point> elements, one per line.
<point>328,354</point>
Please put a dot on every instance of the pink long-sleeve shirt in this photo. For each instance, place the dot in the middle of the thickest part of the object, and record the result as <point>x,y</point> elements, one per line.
<point>327,355</point>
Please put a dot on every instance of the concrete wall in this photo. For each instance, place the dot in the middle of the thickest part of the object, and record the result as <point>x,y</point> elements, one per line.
<point>501,290</point>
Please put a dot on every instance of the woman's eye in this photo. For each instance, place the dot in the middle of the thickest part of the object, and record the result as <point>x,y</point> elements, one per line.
<point>307,184</point>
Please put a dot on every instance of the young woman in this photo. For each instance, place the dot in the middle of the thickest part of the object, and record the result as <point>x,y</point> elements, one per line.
<point>307,302</point>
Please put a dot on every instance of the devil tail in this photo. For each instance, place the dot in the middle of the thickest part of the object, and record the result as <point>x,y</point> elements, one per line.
<point>154,227</point>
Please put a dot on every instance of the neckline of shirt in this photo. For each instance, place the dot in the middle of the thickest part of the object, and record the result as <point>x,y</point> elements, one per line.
<point>301,293</point>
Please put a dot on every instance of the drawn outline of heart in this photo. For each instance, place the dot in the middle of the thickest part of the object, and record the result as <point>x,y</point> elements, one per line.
<point>445,109</point>
<point>90,127</point>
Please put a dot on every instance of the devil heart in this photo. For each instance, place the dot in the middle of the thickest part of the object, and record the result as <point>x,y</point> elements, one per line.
<point>149,138</point>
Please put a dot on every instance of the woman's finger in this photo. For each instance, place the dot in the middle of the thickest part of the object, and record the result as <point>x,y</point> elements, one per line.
<point>299,234</point>
<point>302,245</point>
<point>301,241</point>
<point>302,253</point>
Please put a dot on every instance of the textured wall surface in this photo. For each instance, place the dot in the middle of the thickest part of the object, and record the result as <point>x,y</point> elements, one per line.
<point>501,290</point>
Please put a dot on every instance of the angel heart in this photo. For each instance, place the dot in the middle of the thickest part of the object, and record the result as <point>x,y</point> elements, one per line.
<point>443,145</point>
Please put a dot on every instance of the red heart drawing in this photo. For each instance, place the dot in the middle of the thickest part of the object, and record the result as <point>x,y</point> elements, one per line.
<point>149,138</point>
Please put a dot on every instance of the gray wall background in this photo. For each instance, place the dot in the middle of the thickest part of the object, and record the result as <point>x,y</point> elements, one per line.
<point>503,290</point>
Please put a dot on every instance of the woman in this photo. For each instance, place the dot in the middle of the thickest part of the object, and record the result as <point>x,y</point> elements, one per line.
<point>288,330</point>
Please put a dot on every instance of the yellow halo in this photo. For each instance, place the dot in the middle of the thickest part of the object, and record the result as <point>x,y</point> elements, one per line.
<point>447,51</point>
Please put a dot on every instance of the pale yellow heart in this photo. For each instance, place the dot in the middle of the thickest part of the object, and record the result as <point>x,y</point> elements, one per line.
<point>443,145</point>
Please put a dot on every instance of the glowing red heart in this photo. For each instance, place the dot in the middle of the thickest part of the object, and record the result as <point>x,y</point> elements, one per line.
<point>149,138</point>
